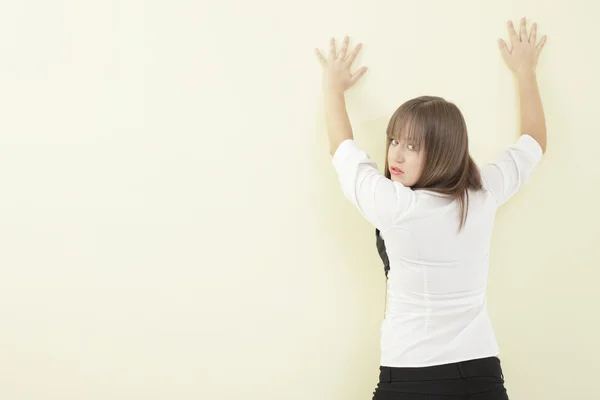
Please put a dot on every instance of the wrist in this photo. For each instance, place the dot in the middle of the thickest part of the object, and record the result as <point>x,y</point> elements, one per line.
<point>526,75</point>
<point>334,91</point>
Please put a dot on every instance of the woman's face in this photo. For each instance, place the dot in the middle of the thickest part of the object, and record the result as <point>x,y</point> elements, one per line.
<point>405,162</point>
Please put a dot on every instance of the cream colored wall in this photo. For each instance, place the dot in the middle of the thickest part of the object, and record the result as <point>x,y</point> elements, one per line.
<point>172,228</point>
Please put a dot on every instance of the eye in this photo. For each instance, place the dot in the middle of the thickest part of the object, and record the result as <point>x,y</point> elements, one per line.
<point>410,147</point>
<point>395,142</point>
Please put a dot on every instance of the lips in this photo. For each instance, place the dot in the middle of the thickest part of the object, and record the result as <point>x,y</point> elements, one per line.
<point>396,171</point>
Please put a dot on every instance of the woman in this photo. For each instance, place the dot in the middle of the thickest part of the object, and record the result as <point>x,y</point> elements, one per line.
<point>433,211</point>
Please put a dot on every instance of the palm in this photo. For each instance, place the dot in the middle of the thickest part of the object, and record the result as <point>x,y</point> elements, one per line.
<point>336,68</point>
<point>524,54</point>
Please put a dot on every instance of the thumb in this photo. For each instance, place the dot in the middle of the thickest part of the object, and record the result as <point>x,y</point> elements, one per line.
<point>503,49</point>
<point>357,75</point>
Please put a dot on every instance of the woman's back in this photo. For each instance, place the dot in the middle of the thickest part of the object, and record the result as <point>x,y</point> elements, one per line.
<point>427,254</point>
<point>436,284</point>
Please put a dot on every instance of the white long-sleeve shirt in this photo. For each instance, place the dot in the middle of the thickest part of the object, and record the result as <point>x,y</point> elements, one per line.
<point>436,297</point>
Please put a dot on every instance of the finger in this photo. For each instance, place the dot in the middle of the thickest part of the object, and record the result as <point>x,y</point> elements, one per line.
<point>540,46</point>
<point>533,34</point>
<point>332,55</point>
<point>357,75</point>
<point>344,49</point>
<point>503,49</point>
<point>352,56</point>
<point>514,39</point>
<point>523,30</point>
<point>320,57</point>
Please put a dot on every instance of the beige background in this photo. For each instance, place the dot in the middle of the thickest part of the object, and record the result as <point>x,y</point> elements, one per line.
<point>171,226</point>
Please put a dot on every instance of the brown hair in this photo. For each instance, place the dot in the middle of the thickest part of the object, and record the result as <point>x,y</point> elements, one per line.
<point>438,128</point>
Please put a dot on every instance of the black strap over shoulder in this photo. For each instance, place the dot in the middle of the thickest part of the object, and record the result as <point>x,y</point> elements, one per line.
<point>382,252</point>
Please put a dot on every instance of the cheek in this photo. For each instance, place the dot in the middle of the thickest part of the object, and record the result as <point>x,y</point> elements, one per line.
<point>416,165</point>
<point>391,157</point>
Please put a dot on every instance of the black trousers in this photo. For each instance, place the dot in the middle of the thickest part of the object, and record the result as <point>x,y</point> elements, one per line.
<point>480,379</point>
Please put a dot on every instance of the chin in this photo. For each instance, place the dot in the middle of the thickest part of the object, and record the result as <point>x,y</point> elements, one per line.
<point>402,180</point>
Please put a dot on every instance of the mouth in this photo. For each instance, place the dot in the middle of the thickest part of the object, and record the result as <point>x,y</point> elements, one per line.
<point>396,171</point>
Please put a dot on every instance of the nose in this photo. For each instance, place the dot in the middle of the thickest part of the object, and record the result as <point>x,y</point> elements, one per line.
<point>398,154</point>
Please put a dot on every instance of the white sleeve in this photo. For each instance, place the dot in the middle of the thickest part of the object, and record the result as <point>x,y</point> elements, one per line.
<point>512,170</point>
<point>379,200</point>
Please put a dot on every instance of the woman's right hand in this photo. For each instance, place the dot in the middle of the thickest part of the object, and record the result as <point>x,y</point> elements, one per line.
<point>523,57</point>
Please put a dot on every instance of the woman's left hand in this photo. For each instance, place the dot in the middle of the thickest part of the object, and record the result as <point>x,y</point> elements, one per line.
<point>336,69</point>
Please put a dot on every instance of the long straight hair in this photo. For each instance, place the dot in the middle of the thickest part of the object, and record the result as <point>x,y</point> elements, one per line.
<point>437,127</point>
